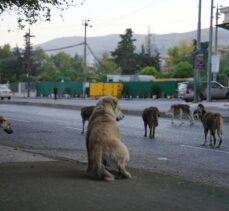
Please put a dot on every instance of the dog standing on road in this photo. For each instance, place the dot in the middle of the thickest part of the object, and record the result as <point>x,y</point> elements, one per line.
<point>150,118</point>
<point>85,115</point>
<point>5,125</point>
<point>181,110</point>
<point>212,122</point>
<point>103,140</point>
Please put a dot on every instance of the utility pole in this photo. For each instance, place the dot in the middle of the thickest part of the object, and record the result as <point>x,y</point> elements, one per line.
<point>85,24</point>
<point>148,42</point>
<point>209,72</point>
<point>216,37</point>
<point>196,74</point>
<point>28,49</point>
<point>216,29</point>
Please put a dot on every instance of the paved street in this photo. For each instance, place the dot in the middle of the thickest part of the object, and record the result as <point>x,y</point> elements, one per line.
<point>176,150</point>
<point>172,172</point>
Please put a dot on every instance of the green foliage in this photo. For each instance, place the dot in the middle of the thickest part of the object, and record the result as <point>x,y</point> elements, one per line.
<point>145,59</point>
<point>183,70</point>
<point>226,71</point>
<point>11,64</point>
<point>61,67</point>
<point>30,11</point>
<point>150,71</point>
<point>104,67</point>
<point>124,55</point>
<point>43,67</point>
<point>180,53</point>
<point>224,61</point>
<point>128,60</point>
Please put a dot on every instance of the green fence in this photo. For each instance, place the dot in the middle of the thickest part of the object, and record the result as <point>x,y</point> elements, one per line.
<point>74,89</point>
<point>130,89</point>
<point>148,89</point>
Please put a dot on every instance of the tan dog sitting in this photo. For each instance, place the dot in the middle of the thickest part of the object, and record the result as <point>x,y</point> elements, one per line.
<point>5,125</point>
<point>103,140</point>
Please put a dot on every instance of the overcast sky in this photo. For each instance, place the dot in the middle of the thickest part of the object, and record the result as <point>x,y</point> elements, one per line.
<point>113,17</point>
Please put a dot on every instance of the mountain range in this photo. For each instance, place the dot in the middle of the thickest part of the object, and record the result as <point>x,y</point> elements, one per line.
<point>108,43</point>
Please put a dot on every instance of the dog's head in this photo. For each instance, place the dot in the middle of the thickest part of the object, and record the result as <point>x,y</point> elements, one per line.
<point>5,125</point>
<point>200,110</point>
<point>113,103</point>
<point>195,114</point>
<point>171,110</point>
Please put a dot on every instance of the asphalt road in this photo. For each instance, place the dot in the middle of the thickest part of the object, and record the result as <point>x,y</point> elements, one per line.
<point>175,151</point>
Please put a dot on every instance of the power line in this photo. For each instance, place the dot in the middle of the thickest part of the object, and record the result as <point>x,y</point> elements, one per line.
<point>65,47</point>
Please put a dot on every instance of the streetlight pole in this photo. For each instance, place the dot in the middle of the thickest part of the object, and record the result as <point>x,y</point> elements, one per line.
<point>85,24</point>
<point>209,75</point>
<point>196,74</point>
<point>216,37</point>
<point>28,59</point>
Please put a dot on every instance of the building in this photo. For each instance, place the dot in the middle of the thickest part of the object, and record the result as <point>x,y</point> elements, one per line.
<point>125,78</point>
<point>225,24</point>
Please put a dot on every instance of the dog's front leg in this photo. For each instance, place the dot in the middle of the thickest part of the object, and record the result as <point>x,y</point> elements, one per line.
<point>150,132</point>
<point>205,134</point>
<point>124,172</point>
<point>145,125</point>
<point>181,117</point>
<point>83,122</point>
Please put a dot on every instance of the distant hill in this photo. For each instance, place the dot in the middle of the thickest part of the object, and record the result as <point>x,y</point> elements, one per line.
<point>108,43</point>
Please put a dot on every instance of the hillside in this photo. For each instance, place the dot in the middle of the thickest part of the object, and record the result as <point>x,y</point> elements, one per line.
<point>108,43</point>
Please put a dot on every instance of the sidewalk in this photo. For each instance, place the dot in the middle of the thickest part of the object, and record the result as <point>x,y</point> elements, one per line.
<point>63,185</point>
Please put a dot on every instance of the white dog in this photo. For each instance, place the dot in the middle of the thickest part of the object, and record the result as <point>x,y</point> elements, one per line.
<point>104,142</point>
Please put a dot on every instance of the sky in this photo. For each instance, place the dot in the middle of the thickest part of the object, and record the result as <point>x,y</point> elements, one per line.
<point>112,17</point>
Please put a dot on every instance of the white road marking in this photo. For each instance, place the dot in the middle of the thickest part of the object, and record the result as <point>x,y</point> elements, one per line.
<point>20,120</point>
<point>162,158</point>
<point>201,148</point>
<point>73,128</point>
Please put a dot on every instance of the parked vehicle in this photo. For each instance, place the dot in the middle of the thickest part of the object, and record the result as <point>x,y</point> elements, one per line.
<point>186,91</point>
<point>5,92</point>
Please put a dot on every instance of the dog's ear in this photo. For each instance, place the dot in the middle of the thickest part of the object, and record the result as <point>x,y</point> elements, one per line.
<point>114,102</point>
<point>110,100</point>
<point>1,120</point>
<point>201,106</point>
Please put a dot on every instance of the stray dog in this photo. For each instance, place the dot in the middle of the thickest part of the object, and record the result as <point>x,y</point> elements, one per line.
<point>150,117</point>
<point>181,110</point>
<point>5,125</point>
<point>212,122</point>
<point>85,115</point>
<point>103,140</point>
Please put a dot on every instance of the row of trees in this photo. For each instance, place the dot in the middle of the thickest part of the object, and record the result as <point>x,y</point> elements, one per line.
<point>61,66</point>
<point>123,60</point>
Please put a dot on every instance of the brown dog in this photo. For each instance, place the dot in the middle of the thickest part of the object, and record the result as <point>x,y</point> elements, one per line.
<point>103,140</point>
<point>85,115</point>
<point>150,117</point>
<point>5,125</point>
<point>212,122</point>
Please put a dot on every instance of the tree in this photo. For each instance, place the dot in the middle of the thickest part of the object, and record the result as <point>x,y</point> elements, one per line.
<point>150,71</point>
<point>31,11</point>
<point>183,70</point>
<point>10,64</point>
<point>124,55</point>
<point>181,53</point>
<point>62,67</point>
<point>145,59</point>
<point>105,66</point>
